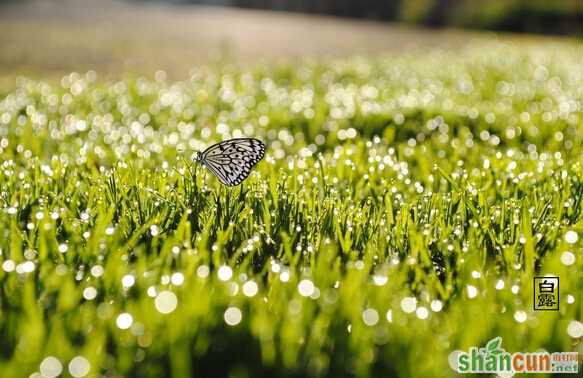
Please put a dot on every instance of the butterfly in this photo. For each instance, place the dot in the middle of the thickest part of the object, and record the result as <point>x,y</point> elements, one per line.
<point>232,160</point>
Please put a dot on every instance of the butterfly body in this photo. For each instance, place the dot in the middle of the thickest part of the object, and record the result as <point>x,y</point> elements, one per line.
<point>232,160</point>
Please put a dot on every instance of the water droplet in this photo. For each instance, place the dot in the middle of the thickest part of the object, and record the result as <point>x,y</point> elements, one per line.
<point>124,321</point>
<point>250,288</point>
<point>284,276</point>
<point>389,316</point>
<point>472,291</point>
<point>166,302</point>
<point>520,316</point>
<point>225,273</point>
<point>51,367</point>
<point>177,279</point>
<point>380,279</point>
<point>575,329</point>
<point>436,305</point>
<point>306,287</point>
<point>370,317</point>
<point>128,281</point>
<point>571,237</point>
<point>79,366</point>
<point>233,316</point>
<point>89,293</point>
<point>8,266</point>
<point>422,313</point>
<point>408,304</point>
<point>568,258</point>
<point>202,271</point>
<point>97,271</point>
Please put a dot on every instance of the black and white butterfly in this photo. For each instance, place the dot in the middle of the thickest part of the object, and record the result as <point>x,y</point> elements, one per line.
<point>232,160</point>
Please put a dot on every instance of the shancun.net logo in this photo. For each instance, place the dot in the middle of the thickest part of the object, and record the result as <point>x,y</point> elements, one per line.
<point>494,359</point>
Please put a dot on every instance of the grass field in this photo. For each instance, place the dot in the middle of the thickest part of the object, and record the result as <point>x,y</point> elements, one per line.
<point>401,213</point>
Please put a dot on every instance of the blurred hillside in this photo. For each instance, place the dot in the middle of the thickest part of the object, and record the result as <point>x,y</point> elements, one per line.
<point>534,16</point>
<point>50,38</point>
<point>54,37</point>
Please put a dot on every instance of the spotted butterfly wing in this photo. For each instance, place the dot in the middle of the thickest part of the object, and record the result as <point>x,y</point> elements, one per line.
<point>232,160</point>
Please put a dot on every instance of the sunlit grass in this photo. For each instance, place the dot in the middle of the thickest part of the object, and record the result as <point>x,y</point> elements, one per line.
<point>402,210</point>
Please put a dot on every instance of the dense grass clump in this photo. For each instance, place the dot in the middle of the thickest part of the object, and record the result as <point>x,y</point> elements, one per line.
<point>401,213</point>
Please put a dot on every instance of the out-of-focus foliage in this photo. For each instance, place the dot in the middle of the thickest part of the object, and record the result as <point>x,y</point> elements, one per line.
<point>403,208</point>
<point>540,16</point>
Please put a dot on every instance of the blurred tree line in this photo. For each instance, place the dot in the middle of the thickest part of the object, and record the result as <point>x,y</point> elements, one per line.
<point>538,16</point>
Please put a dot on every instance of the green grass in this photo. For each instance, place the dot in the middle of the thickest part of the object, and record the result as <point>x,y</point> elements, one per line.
<point>435,176</point>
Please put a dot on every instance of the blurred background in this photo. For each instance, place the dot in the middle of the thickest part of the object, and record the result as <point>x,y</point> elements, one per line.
<point>52,37</point>
<point>536,16</point>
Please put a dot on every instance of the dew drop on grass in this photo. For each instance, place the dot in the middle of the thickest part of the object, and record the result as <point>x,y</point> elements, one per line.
<point>233,316</point>
<point>89,293</point>
<point>97,271</point>
<point>202,271</point>
<point>315,294</point>
<point>571,237</point>
<point>284,276</point>
<point>177,279</point>
<point>79,367</point>
<point>520,316</point>
<point>124,320</point>
<point>408,304</point>
<point>152,292</point>
<point>453,359</point>
<point>436,305</point>
<point>128,281</point>
<point>575,329</point>
<point>250,288</point>
<point>380,279</point>
<point>422,312</point>
<point>225,273</point>
<point>568,258</point>
<point>306,288</point>
<point>166,302</point>
<point>370,317</point>
<point>154,230</point>
<point>8,266</point>
<point>51,367</point>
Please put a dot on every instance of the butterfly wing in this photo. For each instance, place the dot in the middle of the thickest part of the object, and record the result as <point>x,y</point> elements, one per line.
<point>232,160</point>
